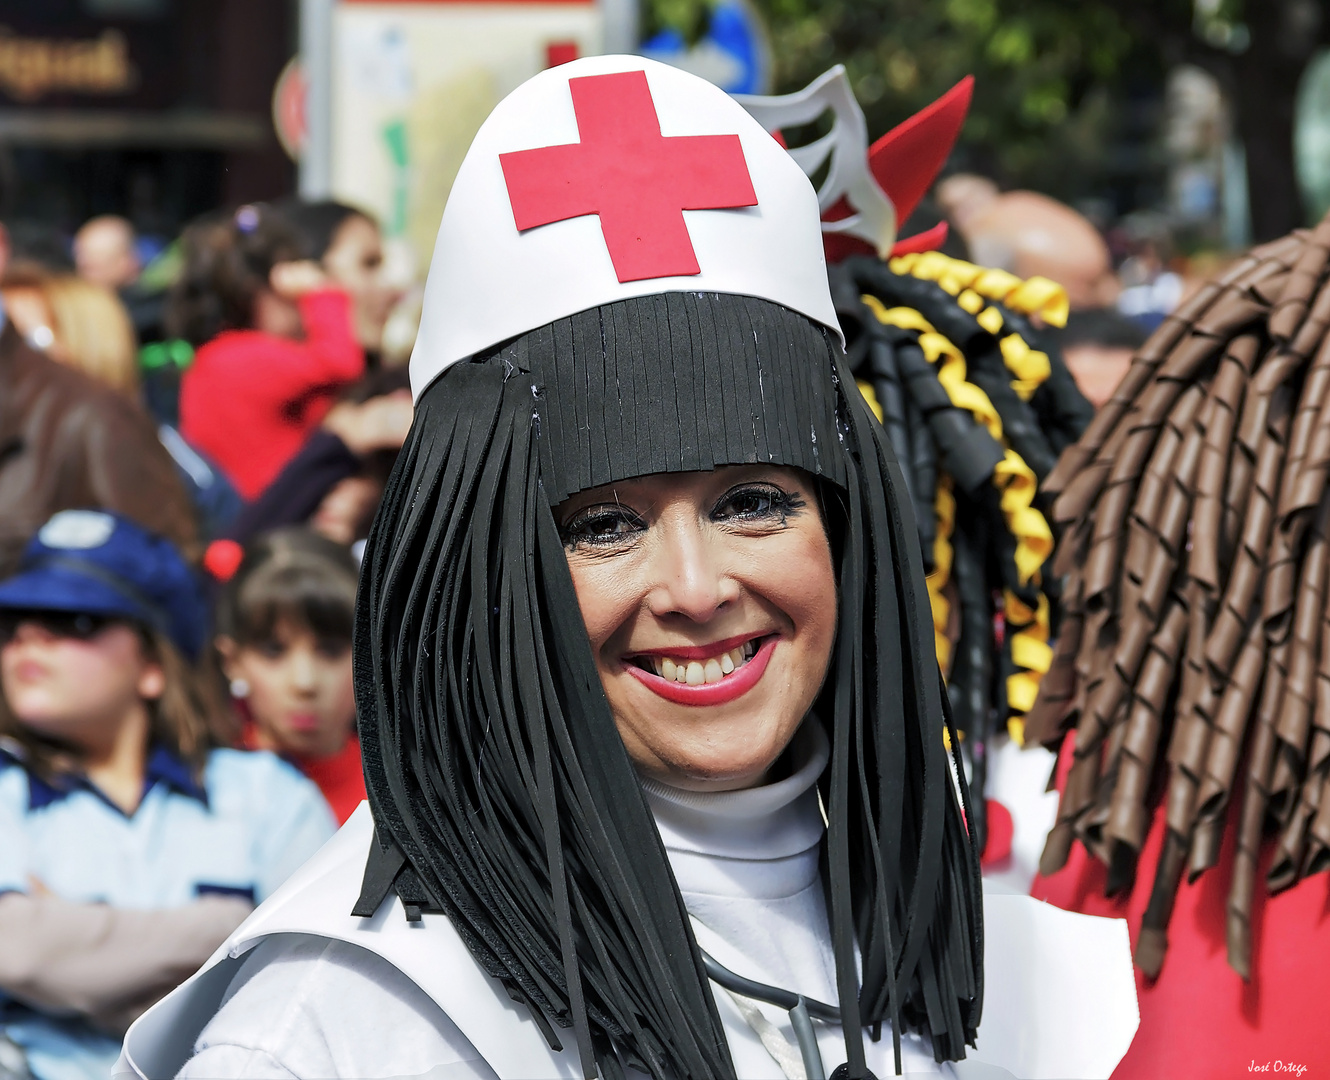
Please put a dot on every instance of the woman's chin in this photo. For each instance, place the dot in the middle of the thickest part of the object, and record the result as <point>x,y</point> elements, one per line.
<point>707,769</point>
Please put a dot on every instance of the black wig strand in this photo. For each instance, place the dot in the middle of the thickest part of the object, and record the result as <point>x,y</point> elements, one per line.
<point>492,762</point>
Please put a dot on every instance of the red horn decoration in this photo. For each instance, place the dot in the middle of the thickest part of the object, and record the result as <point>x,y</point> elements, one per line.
<point>907,159</point>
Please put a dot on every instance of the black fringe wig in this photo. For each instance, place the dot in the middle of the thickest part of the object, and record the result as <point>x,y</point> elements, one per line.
<point>501,792</point>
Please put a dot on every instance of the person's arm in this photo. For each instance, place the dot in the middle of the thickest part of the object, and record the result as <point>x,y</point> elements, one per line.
<point>105,963</point>
<point>322,463</point>
<point>330,335</point>
<point>349,432</point>
<point>329,356</point>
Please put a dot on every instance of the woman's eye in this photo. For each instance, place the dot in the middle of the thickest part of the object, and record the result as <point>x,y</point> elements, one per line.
<point>332,648</point>
<point>271,650</point>
<point>757,503</point>
<point>601,525</point>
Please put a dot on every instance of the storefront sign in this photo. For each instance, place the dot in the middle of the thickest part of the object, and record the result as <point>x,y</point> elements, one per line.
<point>33,67</point>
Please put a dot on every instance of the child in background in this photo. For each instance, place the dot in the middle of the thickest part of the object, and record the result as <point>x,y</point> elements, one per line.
<point>275,338</point>
<point>348,244</point>
<point>336,481</point>
<point>129,846</point>
<point>284,642</point>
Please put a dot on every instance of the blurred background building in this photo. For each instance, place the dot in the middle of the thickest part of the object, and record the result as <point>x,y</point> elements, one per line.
<point>1180,128</point>
<point>154,109</point>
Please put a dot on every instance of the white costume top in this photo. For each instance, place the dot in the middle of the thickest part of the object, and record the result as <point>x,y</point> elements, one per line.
<point>381,998</point>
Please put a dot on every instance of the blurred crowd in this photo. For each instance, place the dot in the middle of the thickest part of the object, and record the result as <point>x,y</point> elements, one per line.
<point>191,453</point>
<point>192,449</point>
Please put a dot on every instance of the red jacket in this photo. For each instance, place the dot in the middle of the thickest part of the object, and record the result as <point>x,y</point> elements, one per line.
<point>250,399</point>
<point>340,776</point>
<point>1199,1019</point>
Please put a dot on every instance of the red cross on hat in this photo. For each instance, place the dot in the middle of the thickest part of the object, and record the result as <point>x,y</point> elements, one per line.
<point>623,177</point>
<point>638,181</point>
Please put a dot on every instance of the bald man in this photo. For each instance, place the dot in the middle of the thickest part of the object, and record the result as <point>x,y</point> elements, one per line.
<point>1029,233</point>
<point>104,252</point>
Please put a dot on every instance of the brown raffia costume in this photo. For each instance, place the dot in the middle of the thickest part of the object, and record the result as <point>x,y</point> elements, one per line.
<point>1193,665</point>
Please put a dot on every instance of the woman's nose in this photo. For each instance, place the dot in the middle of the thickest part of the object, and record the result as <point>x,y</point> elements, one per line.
<point>303,675</point>
<point>691,576</point>
<point>29,630</point>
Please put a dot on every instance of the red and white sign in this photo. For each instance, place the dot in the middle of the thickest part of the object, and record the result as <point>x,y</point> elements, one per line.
<point>411,83</point>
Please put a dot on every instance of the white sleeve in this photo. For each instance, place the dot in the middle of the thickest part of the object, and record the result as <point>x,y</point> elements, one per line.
<point>296,824</point>
<point>223,1062</point>
<point>14,863</point>
<point>309,1007</point>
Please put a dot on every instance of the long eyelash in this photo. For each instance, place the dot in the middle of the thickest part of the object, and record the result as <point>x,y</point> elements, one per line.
<point>785,503</point>
<point>575,531</point>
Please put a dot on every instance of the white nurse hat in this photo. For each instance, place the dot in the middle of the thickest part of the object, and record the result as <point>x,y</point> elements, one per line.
<point>612,177</point>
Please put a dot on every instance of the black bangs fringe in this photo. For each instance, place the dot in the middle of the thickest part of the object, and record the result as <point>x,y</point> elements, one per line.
<point>504,798</point>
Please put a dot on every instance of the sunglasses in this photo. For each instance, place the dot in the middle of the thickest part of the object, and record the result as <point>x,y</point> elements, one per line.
<point>75,625</point>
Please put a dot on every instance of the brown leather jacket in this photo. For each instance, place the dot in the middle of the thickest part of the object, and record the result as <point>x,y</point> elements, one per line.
<point>67,442</point>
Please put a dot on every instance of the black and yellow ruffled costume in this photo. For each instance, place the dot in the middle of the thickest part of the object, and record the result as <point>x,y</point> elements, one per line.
<point>978,406</point>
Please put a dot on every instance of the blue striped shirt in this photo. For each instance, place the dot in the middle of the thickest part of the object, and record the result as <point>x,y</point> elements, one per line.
<point>240,830</point>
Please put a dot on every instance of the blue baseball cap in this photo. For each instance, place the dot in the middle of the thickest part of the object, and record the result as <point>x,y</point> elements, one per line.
<point>98,563</point>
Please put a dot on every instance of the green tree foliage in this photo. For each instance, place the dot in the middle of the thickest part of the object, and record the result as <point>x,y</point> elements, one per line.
<point>1042,69</point>
<point>1064,88</point>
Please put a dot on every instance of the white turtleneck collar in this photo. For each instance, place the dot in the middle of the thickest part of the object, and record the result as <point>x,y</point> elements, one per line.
<point>747,867</point>
<point>759,842</point>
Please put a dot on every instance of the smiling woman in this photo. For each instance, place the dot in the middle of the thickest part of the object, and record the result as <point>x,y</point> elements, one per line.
<point>710,603</point>
<point>652,722</point>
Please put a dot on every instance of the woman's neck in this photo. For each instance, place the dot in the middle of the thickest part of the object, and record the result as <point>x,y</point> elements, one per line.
<point>115,763</point>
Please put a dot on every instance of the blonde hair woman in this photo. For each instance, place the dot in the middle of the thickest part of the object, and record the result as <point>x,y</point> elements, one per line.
<point>93,332</point>
<point>74,322</point>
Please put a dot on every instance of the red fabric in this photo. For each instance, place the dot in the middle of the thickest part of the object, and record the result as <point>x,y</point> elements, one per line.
<point>1199,1019</point>
<point>928,240</point>
<point>907,159</point>
<point>1001,828</point>
<point>638,182</point>
<point>249,399</point>
<point>341,777</point>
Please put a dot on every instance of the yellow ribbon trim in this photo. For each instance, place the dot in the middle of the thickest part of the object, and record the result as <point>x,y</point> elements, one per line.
<point>1028,633</point>
<point>970,284</point>
<point>1013,478</point>
<point>944,510</point>
<point>1033,296</point>
<point>1029,366</point>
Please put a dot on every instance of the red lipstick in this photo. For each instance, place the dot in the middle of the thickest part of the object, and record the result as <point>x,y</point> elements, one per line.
<point>718,693</point>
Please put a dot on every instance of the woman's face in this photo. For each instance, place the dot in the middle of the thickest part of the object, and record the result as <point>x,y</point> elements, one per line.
<point>710,602</point>
<point>76,688</point>
<point>300,693</point>
<point>354,260</point>
<point>346,511</point>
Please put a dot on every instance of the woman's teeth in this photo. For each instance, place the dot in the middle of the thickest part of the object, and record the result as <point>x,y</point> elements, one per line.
<point>698,672</point>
